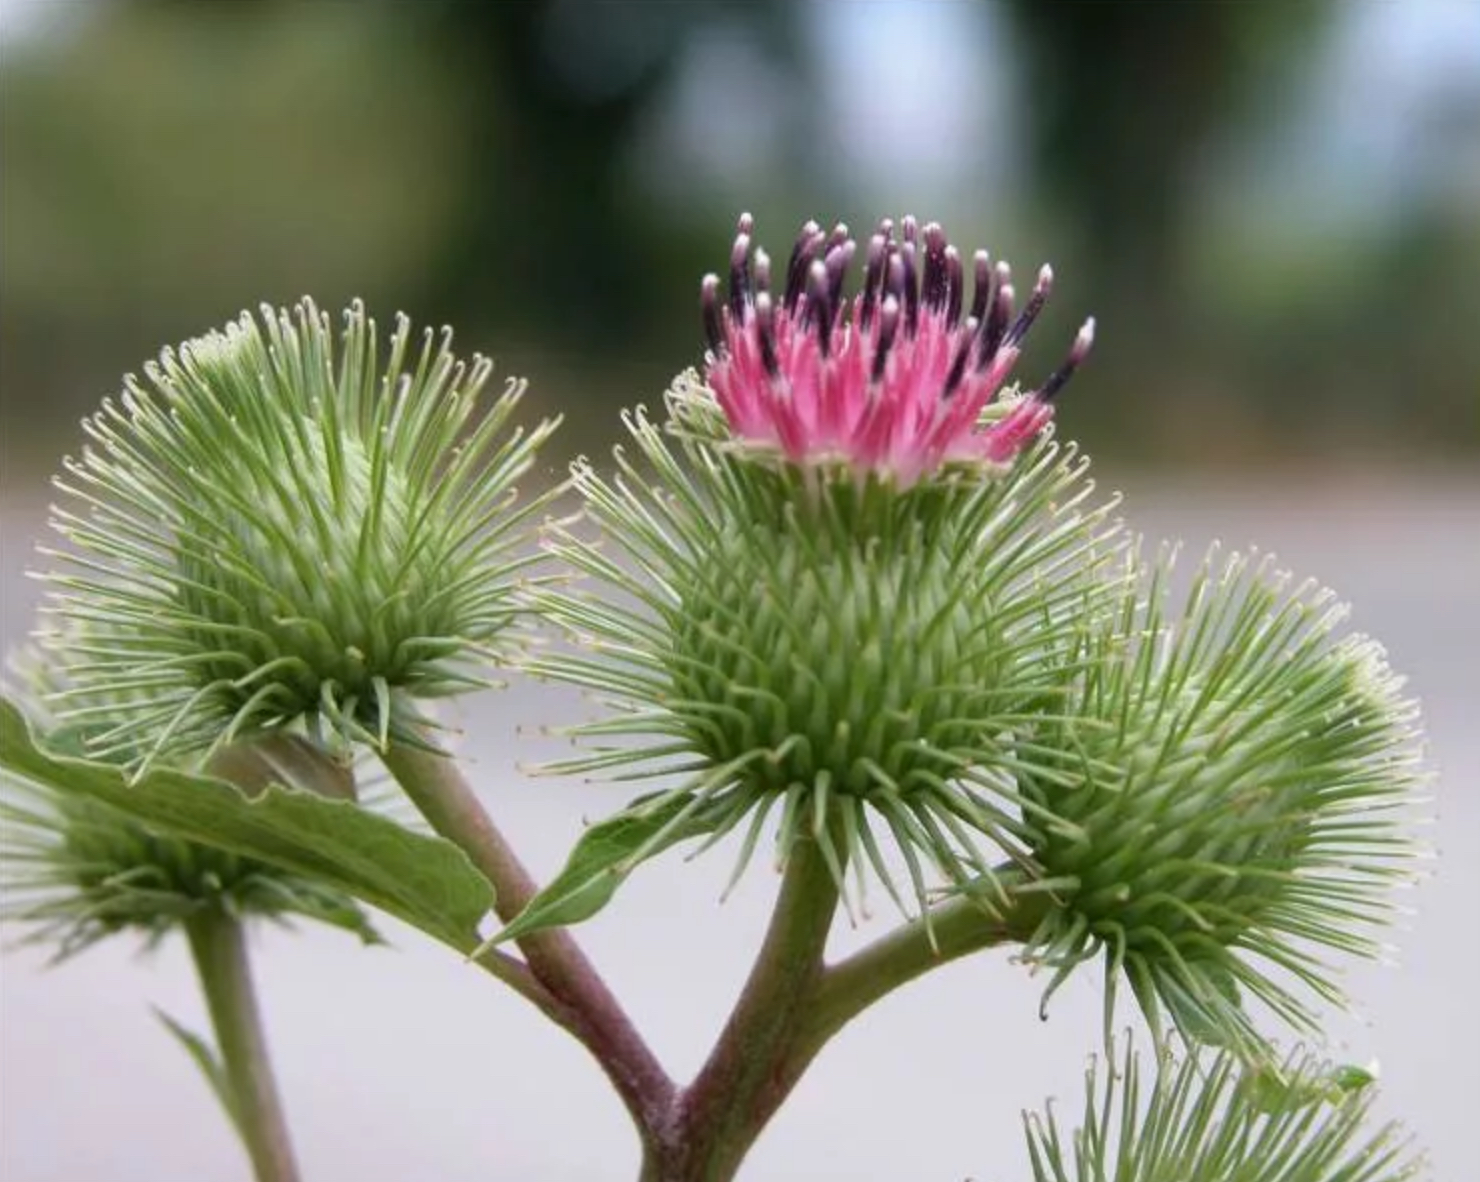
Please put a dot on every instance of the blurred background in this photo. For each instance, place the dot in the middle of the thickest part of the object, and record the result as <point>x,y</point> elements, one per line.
<point>1272,207</point>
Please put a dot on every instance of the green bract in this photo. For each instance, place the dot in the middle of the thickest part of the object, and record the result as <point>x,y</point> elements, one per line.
<point>1254,815</point>
<point>1206,1119</point>
<point>282,528</point>
<point>822,645</point>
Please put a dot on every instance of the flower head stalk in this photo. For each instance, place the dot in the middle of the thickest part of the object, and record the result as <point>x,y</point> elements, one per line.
<point>891,380</point>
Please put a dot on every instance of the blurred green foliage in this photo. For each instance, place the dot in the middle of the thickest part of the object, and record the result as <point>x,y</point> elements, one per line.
<point>493,165</point>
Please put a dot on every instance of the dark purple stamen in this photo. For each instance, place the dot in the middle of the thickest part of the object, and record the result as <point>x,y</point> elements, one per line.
<point>911,285</point>
<point>709,302</point>
<point>894,274</point>
<point>873,280</point>
<point>1077,353</point>
<point>839,259</point>
<point>819,310</point>
<point>995,327</point>
<point>1030,311</point>
<point>888,328</point>
<point>982,285</point>
<point>909,228</point>
<point>762,271</point>
<point>934,285</point>
<point>739,277</point>
<point>955,285</point>
<point>958,364</point>
<point>765,332</point>
<point>801,258</point>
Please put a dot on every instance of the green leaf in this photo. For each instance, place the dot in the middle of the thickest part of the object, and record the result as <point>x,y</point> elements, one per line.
<point>205,1057</point>
<point>425,881</point>
<point>606,853</point>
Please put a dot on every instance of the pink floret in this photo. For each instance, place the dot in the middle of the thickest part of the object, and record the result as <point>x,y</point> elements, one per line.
<point>892,380</point>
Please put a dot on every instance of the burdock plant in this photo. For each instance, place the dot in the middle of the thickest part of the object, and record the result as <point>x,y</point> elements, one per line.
<point>843,596</point>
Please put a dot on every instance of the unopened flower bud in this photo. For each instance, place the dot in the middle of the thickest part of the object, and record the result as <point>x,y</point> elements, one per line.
<point>284,528</point>
<point>1232,790</point>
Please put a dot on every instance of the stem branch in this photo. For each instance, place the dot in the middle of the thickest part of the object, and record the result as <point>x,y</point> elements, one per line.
<point>218,944</point>
<point>960,925</point>
<point>790,1008</point>
<point>514,973</point>
<point>739,1088</point>
<point>562,981</point>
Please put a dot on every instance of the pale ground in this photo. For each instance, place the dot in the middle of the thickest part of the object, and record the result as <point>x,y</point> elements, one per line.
<point>403,1063</point>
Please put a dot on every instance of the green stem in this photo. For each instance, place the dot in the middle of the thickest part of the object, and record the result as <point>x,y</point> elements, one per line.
<point>957,928</point>
<point>514,973</point>
<point>570,989</point>
<point>793,1006</point>
<point>218,945</point>
<point>790,1008</point>
<point>736,1092</point>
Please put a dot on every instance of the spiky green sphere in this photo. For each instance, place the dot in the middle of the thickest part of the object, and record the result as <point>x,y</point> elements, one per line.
<point>76,871</point>
<point>856,657</point>
<point>825,643</point>
<point>286,525</point>
<point>283,593</point>
<point>1232,789</point>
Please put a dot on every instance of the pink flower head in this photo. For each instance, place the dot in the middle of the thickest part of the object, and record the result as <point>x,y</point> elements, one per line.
<point>890,381</point>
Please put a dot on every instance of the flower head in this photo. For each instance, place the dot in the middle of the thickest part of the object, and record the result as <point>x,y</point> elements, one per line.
<point>277,530</point>
<point>843,642</point>
<point>76,871</point>
<point>1232,788</point>
<point>892,380</point>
